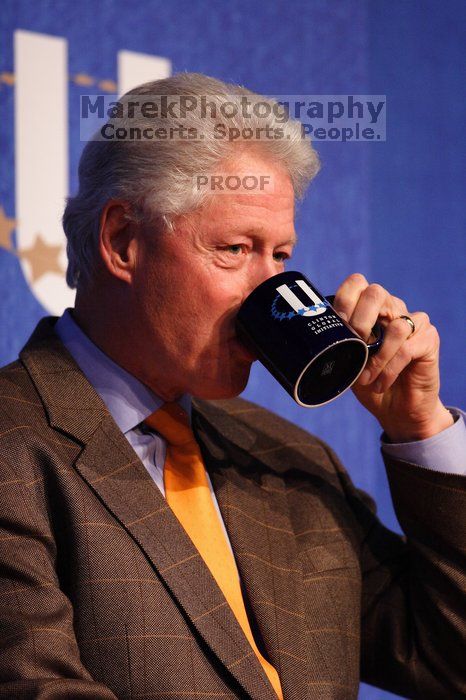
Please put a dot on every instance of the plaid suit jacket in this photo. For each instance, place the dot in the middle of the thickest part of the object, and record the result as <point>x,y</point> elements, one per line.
<point>103,595</point>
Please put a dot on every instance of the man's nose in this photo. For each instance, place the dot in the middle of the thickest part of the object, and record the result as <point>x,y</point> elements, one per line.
<point>266,269</point>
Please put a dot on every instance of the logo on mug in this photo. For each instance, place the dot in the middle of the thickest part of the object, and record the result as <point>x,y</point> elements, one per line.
<point>285,292</point>
<point>328,368</point>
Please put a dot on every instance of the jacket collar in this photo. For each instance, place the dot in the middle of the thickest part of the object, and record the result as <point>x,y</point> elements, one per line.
<point>70,402</point>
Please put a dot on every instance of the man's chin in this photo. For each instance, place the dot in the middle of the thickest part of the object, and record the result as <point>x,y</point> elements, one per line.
<point>225,388</point>
<point>244,352</point>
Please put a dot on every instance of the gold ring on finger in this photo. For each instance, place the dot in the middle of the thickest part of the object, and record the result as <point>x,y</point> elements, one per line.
<point>411,323</point>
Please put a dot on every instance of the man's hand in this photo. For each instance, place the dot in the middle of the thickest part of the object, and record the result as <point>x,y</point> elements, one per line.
<point>400,384</point>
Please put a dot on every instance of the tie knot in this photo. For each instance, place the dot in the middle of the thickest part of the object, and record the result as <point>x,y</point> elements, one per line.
<point>172,422</point>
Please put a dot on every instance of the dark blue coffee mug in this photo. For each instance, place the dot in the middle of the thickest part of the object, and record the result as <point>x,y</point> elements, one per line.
<point>299,337</point>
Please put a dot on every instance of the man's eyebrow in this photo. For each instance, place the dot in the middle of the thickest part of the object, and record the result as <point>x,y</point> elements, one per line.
<point>292,241</point>
<point>260,231</point>
<point>289,241</point>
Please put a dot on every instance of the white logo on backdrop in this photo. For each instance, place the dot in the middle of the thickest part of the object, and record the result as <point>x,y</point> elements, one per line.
<point>40,81</point>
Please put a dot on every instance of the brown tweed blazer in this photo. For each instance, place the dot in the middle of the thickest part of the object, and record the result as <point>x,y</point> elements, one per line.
<point>102,594</point>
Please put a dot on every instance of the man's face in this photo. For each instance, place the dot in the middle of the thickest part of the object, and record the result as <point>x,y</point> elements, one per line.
<point>190,283</point>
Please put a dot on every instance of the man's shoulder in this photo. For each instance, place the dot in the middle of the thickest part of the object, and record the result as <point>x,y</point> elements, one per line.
<point>18,391</point>
<point>20,403</point>
<point>16,386</point>
<point>272,439</point>
<point>24,429</point>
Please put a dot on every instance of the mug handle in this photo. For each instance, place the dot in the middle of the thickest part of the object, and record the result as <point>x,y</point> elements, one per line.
<point>377,331</point>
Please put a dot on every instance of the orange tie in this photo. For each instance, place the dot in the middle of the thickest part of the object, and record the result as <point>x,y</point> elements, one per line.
<point>188,495</point>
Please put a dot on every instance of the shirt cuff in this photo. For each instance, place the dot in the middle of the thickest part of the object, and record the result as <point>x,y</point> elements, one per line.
<point>444,452</point>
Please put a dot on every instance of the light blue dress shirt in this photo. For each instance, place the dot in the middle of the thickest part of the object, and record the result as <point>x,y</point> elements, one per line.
<point>130,402</point>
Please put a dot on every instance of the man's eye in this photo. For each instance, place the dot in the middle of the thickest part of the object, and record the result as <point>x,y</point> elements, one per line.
<point>280,257</point>
<point>235,249</point>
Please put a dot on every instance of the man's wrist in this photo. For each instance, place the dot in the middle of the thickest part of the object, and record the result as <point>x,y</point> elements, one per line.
<point>441,420</point>
<point>444,452</point>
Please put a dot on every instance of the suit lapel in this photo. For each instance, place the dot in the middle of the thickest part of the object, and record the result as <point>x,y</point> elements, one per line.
<point>111,468</point>
<point>254,506</point>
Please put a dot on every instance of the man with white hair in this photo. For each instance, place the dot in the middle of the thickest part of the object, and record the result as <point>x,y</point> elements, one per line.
<point>164,539</point>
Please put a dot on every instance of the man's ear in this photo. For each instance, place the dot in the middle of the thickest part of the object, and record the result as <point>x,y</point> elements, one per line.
<point>118,239</point>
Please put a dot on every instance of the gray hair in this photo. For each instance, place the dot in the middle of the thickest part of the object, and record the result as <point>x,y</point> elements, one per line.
<point>156,177</point>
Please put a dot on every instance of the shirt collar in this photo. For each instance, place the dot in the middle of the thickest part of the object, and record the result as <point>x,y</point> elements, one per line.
<point>128,399</point>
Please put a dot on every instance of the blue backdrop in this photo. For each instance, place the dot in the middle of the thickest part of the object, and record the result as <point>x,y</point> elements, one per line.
<point>393,210</point>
